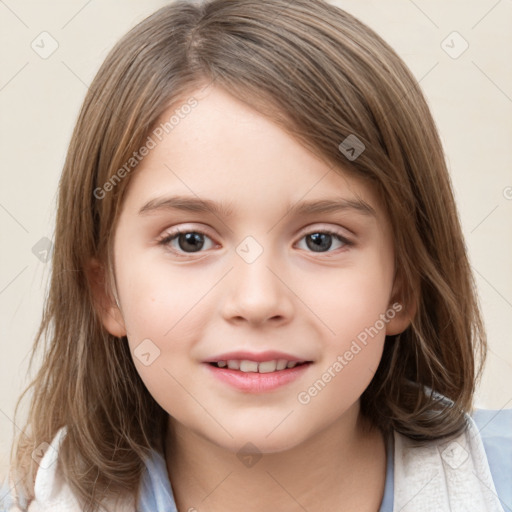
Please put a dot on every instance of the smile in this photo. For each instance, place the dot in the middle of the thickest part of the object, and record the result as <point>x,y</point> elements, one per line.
<point>250,378</point>
<point>246,365</point>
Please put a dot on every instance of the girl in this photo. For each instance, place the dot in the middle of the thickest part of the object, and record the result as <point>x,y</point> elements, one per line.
<point>260,295</point>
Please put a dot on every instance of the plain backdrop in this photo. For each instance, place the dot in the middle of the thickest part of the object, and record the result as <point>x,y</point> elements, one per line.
<point>460,52</point>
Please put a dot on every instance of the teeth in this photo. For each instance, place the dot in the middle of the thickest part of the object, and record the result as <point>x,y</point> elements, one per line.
<point>267,366</point>
<point>234,364</point>
<point>252,366</point>
<point>281,364</point>
<point>248,366</point>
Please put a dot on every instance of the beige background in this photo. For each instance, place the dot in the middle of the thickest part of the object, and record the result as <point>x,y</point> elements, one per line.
<point>470,96</point>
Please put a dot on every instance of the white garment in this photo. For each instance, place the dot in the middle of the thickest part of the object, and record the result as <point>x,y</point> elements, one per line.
<point>444,476</point>
<point>51,492</point>
<point>441,476</point>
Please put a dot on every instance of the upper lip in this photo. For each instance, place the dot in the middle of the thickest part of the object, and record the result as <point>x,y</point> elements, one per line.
<point>259,357</point>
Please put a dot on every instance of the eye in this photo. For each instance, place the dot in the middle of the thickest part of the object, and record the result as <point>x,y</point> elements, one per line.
<point>322,241</point>
<point>187,242</point>
<point>190,242</point>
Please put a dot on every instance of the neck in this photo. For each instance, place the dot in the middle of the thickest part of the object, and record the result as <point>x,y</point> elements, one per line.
<point>343,465</point>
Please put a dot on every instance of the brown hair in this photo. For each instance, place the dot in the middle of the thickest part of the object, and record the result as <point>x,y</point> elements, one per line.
<point>322,75</point>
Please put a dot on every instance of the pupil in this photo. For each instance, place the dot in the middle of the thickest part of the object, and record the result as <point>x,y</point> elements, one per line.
<point>191,241</point>
<point>320,241</point>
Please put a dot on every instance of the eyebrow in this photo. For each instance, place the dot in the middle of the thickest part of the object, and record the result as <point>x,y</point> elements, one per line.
<point>302,208</point>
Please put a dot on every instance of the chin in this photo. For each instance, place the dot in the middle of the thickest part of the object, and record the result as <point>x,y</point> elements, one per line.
<point>260,439</point>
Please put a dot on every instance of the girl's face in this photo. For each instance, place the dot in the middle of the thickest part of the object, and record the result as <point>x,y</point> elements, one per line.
<point>262,272</point>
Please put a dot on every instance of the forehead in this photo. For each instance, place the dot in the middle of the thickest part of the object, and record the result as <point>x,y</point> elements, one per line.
<point>224,151</point>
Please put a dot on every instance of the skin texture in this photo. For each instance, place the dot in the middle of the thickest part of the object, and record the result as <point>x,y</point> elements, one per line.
<point>194,305</point>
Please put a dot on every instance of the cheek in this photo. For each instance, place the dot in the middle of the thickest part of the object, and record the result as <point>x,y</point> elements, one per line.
<point>353,306</point>
<point>349,300</point>
<point>163,311</point>
<point>159,298</point>
<point>354,314</point>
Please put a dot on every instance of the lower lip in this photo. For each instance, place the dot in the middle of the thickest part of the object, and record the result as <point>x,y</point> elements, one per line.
<point>254,382</point>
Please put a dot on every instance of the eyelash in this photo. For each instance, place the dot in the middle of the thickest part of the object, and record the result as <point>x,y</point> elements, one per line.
<point>169,237</point>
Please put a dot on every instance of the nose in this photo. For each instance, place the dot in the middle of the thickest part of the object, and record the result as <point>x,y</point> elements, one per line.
<point>257,293</point>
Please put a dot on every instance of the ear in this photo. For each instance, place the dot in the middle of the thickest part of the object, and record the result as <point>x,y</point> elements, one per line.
<point>404,305</point>
<point>104,302</point>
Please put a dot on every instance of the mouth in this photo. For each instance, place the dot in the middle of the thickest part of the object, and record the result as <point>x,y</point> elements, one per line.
<point>248,366</point>
<point>253,377</point>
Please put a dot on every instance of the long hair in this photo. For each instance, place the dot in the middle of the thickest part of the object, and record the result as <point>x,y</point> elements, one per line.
<point>323,76</point>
